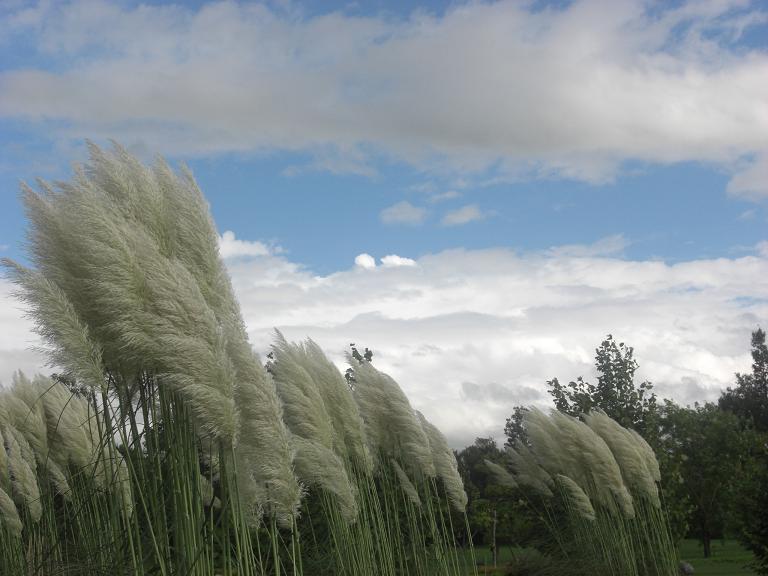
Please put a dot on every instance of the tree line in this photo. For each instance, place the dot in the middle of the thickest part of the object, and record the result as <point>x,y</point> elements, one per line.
<point>713,456</point>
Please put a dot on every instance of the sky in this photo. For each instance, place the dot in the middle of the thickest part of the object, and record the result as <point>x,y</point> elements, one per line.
<point>480,192</point>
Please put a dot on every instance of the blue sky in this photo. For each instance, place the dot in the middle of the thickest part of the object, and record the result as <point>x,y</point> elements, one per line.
<point>510,147</point>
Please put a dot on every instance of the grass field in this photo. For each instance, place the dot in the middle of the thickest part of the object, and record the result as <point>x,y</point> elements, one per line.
<point>728,559</point>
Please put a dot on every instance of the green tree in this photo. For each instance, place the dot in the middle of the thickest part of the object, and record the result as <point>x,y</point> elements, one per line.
<point>750,504</point>
<point>632,406</point>
<point>749,398</point>
<point>514,429</point>
<point>708,447</point>
<point>487,502</point>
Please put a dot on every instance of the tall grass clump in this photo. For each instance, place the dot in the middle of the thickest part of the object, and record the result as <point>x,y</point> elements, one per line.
<point>595,487</point>
<point>165,445</point>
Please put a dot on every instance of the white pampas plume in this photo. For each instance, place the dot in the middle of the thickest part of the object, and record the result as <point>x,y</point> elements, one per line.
<point>500,474</point>
<point>625,450</point>
<point>576,497</point>
<point>405,483</point>
<point>57,322</point>
<point>316,464</point>
<point>25,410</point>
<point>651,463</point>
<point>264,451</point>
<point>26,402</point>
<point>527,470</point>
<point>303,407</point>
<point>306,417</point>
<point>9,515</point>
<point>347,424</point>
<point>392,427</point>
<point>445,464</point>
<point>544,436</point>
<point>143,310</point>
<point>606,485</point>
<point>21,465</point>
<point>4,477</point>
<point>72,431</point>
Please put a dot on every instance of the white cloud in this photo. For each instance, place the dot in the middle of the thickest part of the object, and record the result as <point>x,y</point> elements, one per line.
<point>16,338</point>
<point>365,261</point>
<point>569,91</point>
<point>470,333</point>
<point>231,247</point>
<point>608,246</point>
<point>443,196</point>
<point>506,323</point>
<point>393,261</point>
<point>462,215</point>
<point>403,213</point>
<point>751,181</point>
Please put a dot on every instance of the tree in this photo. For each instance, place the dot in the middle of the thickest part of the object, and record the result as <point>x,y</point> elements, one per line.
<point>514,428</point>
<point>615,392</point>
<point>489,506</point>
<point>751,501</point>
<point>749,398</point>
<point>708,447</point>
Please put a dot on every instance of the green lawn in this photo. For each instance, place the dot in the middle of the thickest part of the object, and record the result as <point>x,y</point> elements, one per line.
<point>727,559</point>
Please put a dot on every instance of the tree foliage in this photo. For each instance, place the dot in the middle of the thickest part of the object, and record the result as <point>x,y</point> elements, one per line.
<point>615,392</point>
<point>749,398</point>
<point>708,447</point>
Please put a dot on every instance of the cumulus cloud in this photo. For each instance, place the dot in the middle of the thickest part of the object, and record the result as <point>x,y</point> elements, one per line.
<point>403,213</point>
<point>572,90</point>
<point>231,247</point>
<point>365,261</point>
<point>471,333</point>
<point>463,215</point>
<point>393,261</point>
<point>506,323</point>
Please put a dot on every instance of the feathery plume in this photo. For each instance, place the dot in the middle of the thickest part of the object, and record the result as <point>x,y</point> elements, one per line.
<point>445,464</point>
<point>391,425</point>
<point>21,465</point>
<point>647,452</point>
<point>4,477</point>
<point>303,407</point>
<point>317,464</point>
<point>625,450</point>
<point>8,514</point>
<point>527,470</point>
<point>57,322</point>
<point>576,497</point>
<point>597,462</point>
<point>405,483</point>
<point>347,424</point>
<point>500,474</point>
<point>264,451</point>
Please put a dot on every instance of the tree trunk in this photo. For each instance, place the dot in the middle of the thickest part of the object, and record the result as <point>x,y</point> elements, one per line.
<point>706,539</point>
<point>495,553</point>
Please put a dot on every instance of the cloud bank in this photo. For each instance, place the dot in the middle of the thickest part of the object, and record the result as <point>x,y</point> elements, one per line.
<point>471,333</point>
<point>569,92</point>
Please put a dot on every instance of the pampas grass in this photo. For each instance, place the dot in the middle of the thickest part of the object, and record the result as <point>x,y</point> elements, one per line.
<point>603,477</point>
<point>177,452</point>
